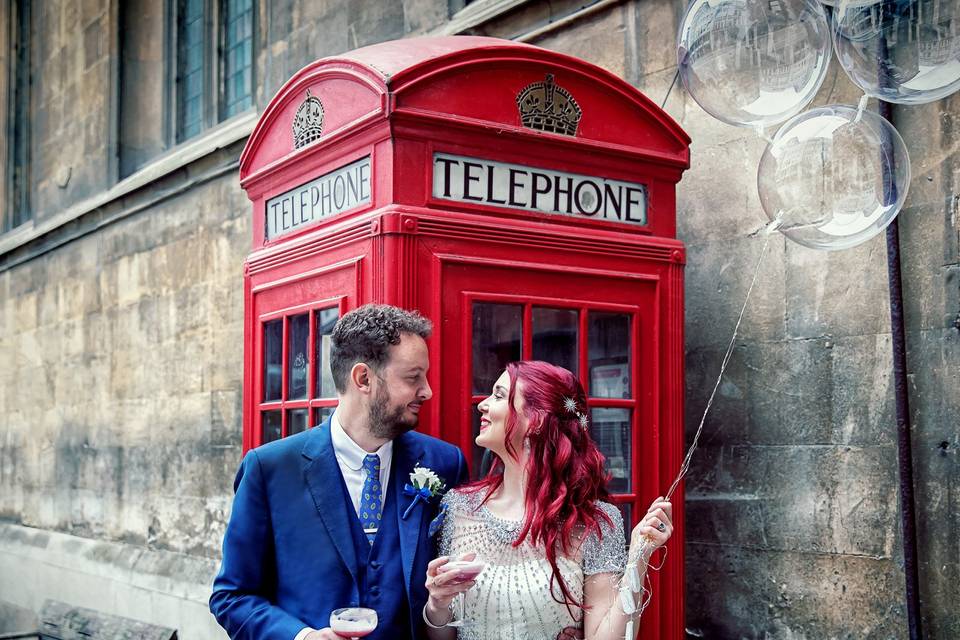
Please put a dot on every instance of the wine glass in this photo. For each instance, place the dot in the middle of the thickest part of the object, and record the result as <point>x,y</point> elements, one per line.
<point>353,622</point>
<point>466,570</point>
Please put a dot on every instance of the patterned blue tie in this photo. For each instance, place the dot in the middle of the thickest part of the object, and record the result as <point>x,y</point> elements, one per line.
<point>370,497</point>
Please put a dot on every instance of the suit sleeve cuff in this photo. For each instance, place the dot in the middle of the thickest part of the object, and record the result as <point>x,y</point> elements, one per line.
<point>304,633</point>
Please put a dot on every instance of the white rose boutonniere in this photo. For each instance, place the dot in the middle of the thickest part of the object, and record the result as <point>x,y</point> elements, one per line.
<point>424,485</point>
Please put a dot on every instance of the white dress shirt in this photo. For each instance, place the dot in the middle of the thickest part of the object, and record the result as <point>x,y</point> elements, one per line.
<point>350,458</point>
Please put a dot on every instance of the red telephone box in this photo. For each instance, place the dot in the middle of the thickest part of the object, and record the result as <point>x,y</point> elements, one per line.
<point>522,199</point>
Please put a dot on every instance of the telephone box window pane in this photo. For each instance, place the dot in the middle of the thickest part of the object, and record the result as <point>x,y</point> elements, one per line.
<point>297,420</point>
<point>320,414</point>
<point>496,341</point>
<point>298,335</point>
<point>555,336</point>
<point>609,355</point>
<point>326,318</point>
<point>611,431</point>
<point>272,360</point>
<point>271,426</point>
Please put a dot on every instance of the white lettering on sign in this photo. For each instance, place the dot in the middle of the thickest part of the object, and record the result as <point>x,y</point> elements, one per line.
<point>330,194</point>
<point>465,179</point>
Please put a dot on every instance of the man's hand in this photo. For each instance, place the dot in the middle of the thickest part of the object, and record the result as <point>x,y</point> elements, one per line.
<point>325,634</point>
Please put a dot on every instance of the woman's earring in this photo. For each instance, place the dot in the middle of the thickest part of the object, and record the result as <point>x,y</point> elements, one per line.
<point>526,444</point>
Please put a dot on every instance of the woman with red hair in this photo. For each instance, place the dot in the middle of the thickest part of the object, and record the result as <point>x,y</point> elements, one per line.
<point>541,522</point>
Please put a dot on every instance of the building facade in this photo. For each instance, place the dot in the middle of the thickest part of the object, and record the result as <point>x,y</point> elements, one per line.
<point>121,319</point>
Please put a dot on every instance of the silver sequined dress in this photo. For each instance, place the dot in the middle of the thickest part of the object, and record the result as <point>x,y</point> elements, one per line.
<point>511,600</point>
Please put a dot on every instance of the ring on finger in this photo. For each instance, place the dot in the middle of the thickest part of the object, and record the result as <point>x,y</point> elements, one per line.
<point>661,527</point>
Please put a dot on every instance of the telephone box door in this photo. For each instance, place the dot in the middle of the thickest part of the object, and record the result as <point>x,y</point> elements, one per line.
<point>601,327</point>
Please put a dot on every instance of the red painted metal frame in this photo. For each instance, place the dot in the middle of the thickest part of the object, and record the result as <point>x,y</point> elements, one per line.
<point>401,102</point>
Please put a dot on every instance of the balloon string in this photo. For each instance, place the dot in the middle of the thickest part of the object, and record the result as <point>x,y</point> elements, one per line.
<point>647,587</point>
<point>723,366</point>
<point>675,76</point>
<point>860,107</point>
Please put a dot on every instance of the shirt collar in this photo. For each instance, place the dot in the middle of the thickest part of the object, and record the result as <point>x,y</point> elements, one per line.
<point>348,451</point>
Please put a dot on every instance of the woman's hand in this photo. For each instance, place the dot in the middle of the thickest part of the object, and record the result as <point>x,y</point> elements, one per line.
<point>443,587</point>
<point>656,527</point>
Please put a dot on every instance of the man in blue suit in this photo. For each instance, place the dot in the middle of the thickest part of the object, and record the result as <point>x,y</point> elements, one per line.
<point>326,518</point>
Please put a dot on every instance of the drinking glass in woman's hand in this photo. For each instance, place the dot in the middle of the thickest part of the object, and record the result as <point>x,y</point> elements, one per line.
<point>447,580</point>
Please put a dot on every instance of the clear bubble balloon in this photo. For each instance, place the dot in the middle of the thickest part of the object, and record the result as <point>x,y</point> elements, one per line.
<point>834,177</point>
<point>751,63</point>
<point>903,51</point>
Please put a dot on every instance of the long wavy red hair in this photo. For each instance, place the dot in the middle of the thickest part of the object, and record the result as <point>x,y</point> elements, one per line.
<point>565,474</point>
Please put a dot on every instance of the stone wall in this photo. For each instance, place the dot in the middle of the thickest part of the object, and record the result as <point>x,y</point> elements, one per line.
<point>121,338</point>
<point>72,93</point>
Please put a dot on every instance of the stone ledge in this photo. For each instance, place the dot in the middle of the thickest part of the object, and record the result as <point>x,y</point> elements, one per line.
<point>476,14</point>
<point>218,137</point>
<point>158,587</point>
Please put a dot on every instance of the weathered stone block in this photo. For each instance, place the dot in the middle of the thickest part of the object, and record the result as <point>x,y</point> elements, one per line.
<point>717,279</point>
<point>861,391</point>
<point>813,498</point>
<point>837,293</point>
<point>226,414</point>
<point>77,297</point>
<point>771,393</point>
<point>725,519</point>
<point>651,38</point>
<point>714,206</point>
<point>420,16</point>
<point>930,264</point>
<point>93,44</point>
<point>588,38</point>
<point>130,279</point>
<point>226,355</point>
<point>930,133</point>
<point>26,313</point>
<point>787,385</point>
<point>744,593</point>
<point>16,619</point>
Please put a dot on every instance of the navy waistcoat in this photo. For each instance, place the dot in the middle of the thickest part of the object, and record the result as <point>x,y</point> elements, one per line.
<point>380,571</point>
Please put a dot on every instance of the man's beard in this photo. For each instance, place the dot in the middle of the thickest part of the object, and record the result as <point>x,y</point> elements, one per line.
<point>388,424</point>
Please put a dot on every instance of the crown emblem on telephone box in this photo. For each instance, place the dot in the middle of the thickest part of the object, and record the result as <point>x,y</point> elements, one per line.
<point>308,121</point>
<point>545,106</point>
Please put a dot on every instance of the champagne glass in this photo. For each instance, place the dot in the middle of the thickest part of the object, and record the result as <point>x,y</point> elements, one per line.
<point>466,570</point>
<point>353,622</point>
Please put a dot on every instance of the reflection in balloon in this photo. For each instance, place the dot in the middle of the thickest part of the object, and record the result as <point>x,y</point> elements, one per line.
<point>753,64</point>
<point>902,51</point>
<point>834,177</point>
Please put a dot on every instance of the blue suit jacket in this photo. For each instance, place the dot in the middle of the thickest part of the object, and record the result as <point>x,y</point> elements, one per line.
<point>288,553</point>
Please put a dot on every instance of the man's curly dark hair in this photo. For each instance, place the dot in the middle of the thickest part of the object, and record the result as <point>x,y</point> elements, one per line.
<point>365,335</point>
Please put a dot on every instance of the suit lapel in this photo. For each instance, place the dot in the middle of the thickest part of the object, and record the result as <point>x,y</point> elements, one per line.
<point>323,478</point>
<point>406,455</point>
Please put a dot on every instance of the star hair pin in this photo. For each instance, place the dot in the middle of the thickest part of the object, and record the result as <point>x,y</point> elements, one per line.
<point>570,406</point>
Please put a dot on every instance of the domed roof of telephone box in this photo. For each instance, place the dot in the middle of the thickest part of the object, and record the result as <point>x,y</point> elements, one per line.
<point>492,84</point>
